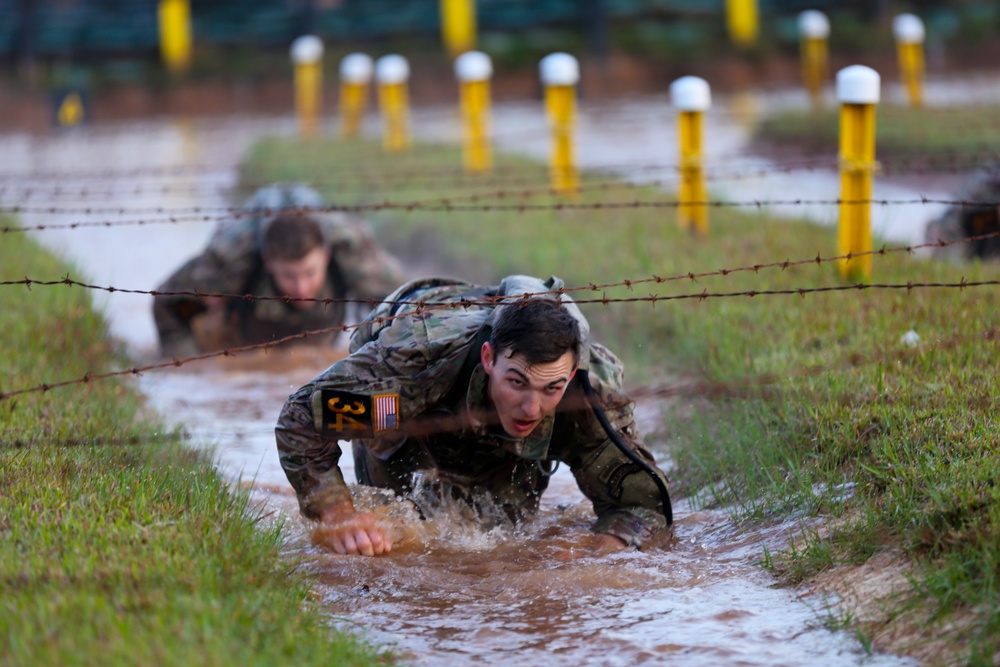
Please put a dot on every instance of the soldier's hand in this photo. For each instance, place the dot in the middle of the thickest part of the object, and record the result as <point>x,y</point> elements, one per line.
<point>347,531</point>
<point>595,544</point>
<point>603,542</point>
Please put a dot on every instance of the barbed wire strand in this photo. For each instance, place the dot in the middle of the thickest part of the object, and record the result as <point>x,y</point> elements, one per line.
<point>423,307</point>
<point>445,205</point>
<point>967,156</point>
<point>473,181</point>
<point>630,283</point>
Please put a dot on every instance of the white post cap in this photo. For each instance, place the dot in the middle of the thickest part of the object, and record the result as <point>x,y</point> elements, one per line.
<point>392,69</point>
<point>858,84</point>
<point>307,49</point>
<point>356,68</point>
<point>908,28</point>
<point>813,24</point>
<point>691,93</point>
<point>473,66</point>
<point>559,69</point>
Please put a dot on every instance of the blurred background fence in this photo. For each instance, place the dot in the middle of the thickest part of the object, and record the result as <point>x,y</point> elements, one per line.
<point>102,29</point>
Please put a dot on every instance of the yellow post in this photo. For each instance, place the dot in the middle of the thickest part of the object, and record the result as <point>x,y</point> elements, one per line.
<point>560,72</point>
<point>392,73</point>
<point>909,32</point>
<point>741,19</point>
<point>307,56</point>
<point>71,110</point>
<point>175,34</point>
<point>814,33</point>
<point>692,98</point>
<point>355,75</point>
<point>458,26</point>
<point>858,92</point>
<point>473,70</point>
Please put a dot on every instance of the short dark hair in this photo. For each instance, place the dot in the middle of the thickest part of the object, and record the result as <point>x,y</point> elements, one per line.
<point>540,329</point>
<point>291,236</point>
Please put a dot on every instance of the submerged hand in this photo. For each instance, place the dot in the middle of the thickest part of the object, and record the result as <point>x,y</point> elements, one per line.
<point>347,531</point>
<point>596,544</point>
<point>603,542</point>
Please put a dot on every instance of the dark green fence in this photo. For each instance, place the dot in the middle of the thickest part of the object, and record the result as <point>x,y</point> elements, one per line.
<point>96,27</point>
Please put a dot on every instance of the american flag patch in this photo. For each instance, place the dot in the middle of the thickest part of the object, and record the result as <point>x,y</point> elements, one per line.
<point>386,412</point>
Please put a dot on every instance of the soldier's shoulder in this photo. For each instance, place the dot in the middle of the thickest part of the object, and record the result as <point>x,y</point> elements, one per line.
<point>984,185</point>
<point>236,236</point>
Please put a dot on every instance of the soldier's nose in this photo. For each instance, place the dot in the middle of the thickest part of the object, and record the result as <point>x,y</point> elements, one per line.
<point>532,406</point>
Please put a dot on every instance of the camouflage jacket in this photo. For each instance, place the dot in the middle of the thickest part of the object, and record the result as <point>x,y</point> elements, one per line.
<point>977,216</point>
<point>414,363</point>
<point>232,264</point>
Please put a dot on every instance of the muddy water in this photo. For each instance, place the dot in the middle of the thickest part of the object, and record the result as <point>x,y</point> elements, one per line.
<point>453,591</point>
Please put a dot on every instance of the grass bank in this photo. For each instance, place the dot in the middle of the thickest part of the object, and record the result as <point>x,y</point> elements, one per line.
<point>822,405</point>
<point>119,545</point>
<point>908,140</point>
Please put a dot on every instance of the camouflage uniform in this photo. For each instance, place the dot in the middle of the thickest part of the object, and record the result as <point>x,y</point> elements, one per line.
<point>962,221</point>
<point>232,264</point>
<point>418,360</point>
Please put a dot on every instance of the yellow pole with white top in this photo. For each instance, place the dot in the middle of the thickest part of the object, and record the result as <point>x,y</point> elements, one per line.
<point>909,32</point>
<point>392,73</point>
<point>473,70</point>
<point>692,97</point>
<point>174,17</point>
<point>742,21</point>
<point>560,72</point>
<point>458,26</point>
<point>307,57</point>
<point>814,34</point>
<point>355,76</point>
<point>858,89</point>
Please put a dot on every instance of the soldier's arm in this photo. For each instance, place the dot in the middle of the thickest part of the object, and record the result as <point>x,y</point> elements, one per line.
<point>207,273</point>
<point>625,496</point>
<point>310,462</point>
<point>401,363</point>
<point>173,313</point>
<point>370,271</point>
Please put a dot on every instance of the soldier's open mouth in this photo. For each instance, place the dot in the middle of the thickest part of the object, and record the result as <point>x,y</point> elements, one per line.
<point>523,426</point>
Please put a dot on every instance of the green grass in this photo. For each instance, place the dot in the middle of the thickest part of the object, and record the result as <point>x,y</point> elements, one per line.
<point>119,545</point>
<point>899,445</point>
<point>965,137</point>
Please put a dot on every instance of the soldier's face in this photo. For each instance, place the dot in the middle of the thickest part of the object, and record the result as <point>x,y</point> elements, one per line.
<point>300,278</point>
<point>524,394</point>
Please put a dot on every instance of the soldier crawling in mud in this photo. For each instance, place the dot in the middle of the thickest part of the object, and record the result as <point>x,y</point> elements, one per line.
<point>272,249</point>
<point>977,216</point>
<point>486,398</point>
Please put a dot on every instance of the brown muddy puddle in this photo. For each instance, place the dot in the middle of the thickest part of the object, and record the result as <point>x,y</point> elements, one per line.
<point>453,591</point>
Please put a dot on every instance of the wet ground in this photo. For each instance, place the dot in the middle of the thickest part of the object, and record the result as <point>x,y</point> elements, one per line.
<point>452,591</point>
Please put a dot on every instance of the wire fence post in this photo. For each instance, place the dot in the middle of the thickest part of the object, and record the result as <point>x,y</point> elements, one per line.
<point>175,34</point>
<point>355,76</point>
<point>458,26</point>
<point>909,32</point>
<point>473,70</point>
<point>858,93</point>
<point>742,22</point>
<point>392,72</point>
<point>560,72</point>
<point>814,33</point>
<point>692,97</point>
<point>307,57</point>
